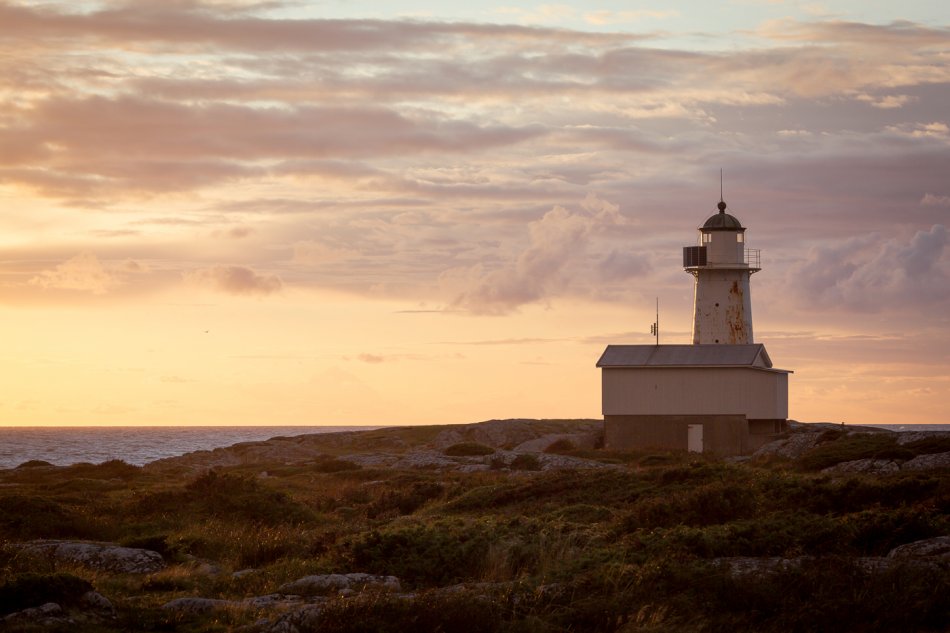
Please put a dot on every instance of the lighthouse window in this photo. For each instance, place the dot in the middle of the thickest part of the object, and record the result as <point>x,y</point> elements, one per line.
<point>740,237</point>
<point>707,237</point>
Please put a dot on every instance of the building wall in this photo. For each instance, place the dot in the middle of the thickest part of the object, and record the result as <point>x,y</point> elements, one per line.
<point>722,434</point>
<point>761,432</point>
<point>706,391</point>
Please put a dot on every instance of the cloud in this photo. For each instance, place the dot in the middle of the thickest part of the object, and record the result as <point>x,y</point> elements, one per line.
<point>620,265</point>
<point>313,252</point>
<point>84,272</point>
<point>934,130</point>
<point>603,17</point>
<point>196,27</point>
<point>871,273</point>
<point>104,146</point>
<point>931,200</point>
<point>373,359</point>
<point>886,101</point>
<point>236,280</point>
<point>416,159</point>
<point>557,239</point>
<point>236,232</point>
<point>506,341</point>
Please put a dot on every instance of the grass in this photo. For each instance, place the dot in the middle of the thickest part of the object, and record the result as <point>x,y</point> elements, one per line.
<point>468,449</point>
<point>853,447</point>
<point>628,548</point>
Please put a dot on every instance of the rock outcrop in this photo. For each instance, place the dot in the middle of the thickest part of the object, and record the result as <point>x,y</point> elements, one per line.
<point>867,466</point>
<point>294,608</point>
<point>932,548</point>
<point>327,584</point>
<point>510,434</point>
<point>398,447</point>
<point>927,462</point>
<point>97,556</point>
<point>791,447</point>
<point>927,553</point>
<point>92,607</point>
<point>45,615</point>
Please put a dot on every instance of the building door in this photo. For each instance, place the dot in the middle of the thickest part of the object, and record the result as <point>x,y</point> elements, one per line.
<point>694,438</point>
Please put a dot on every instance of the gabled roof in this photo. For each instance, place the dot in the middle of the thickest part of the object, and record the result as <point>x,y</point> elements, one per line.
<point>752,355</point>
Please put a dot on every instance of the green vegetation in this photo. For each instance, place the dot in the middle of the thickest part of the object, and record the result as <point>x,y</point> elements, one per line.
<point>27,590</point>
<point>638,546</point>
<point>468,449</point>
<point>844,448</point>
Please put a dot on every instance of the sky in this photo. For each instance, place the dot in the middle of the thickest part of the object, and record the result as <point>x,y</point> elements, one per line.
<point>229,212</point>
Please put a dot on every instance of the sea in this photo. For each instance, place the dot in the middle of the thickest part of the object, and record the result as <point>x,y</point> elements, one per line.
<point>138,445</point>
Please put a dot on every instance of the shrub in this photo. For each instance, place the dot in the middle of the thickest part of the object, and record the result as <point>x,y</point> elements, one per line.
<point>876,532</point>
<point>854,447</point>
<point>707,504</point>
<point>111,469</point>
<point>405,501</point>
<point>429,555</point>
<point>468,449</point>
<point>242,545</point>
<point>334,465</point>
<point>840,496</point>
<point>154,542</point>
<point>23,516</point>
<point>34,463</point>
<point>656,460</point>
<point>780,534</point>
<point>32,590</point>
<point>607,487</point>
<point>585,513</point>
<point>226,496</point>
<point>825,593</point>
<point>929,445</point>
<point>525,461</point>
<point>429,612</point>
<point>562,445</point>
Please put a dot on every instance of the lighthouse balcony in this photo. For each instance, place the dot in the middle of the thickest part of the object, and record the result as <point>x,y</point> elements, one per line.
<point>697,257</point>
<point>753,259</point>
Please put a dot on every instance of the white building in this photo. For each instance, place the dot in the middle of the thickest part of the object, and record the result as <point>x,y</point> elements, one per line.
<point>721,394</point>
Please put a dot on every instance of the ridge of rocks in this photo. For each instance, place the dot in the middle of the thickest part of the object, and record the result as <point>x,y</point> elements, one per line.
<point>409,447</point>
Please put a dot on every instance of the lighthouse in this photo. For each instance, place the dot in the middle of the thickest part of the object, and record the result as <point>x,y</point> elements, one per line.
<point>721,265</point>
<point>720,394</point>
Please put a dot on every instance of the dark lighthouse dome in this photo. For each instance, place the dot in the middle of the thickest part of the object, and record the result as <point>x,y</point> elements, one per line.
<point>722,221</point>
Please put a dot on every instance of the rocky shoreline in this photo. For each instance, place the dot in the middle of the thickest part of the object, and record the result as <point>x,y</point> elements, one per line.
<point>364,493</point>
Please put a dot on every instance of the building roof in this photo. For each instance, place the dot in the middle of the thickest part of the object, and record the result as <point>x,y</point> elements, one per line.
<point>722,221</point>
<point>752,355</point>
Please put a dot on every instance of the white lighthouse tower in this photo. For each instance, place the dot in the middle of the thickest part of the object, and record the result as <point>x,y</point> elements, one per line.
<point>722,265</point>
<point>721,394</point>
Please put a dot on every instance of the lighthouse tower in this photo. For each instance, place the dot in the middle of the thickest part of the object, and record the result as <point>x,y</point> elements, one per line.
<point>722,266</point>
<point>720,395</point>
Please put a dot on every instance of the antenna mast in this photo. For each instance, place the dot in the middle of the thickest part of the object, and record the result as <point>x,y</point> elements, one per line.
<point>655,328</point>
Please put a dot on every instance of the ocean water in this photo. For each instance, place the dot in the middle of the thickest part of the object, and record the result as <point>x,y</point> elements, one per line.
<point>137,445</point>
<point>944,428</point>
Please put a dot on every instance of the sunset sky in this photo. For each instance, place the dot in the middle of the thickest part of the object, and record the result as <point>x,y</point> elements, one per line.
<point>380,212</point>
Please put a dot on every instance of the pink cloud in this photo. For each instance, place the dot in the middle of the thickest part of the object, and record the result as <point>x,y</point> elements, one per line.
<point>558,238</point>
<point>84,272</point>
<point>236,280</point>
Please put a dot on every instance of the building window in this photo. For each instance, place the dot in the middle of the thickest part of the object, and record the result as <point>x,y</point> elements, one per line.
<point>740,237</point>
<point>707,237</point>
